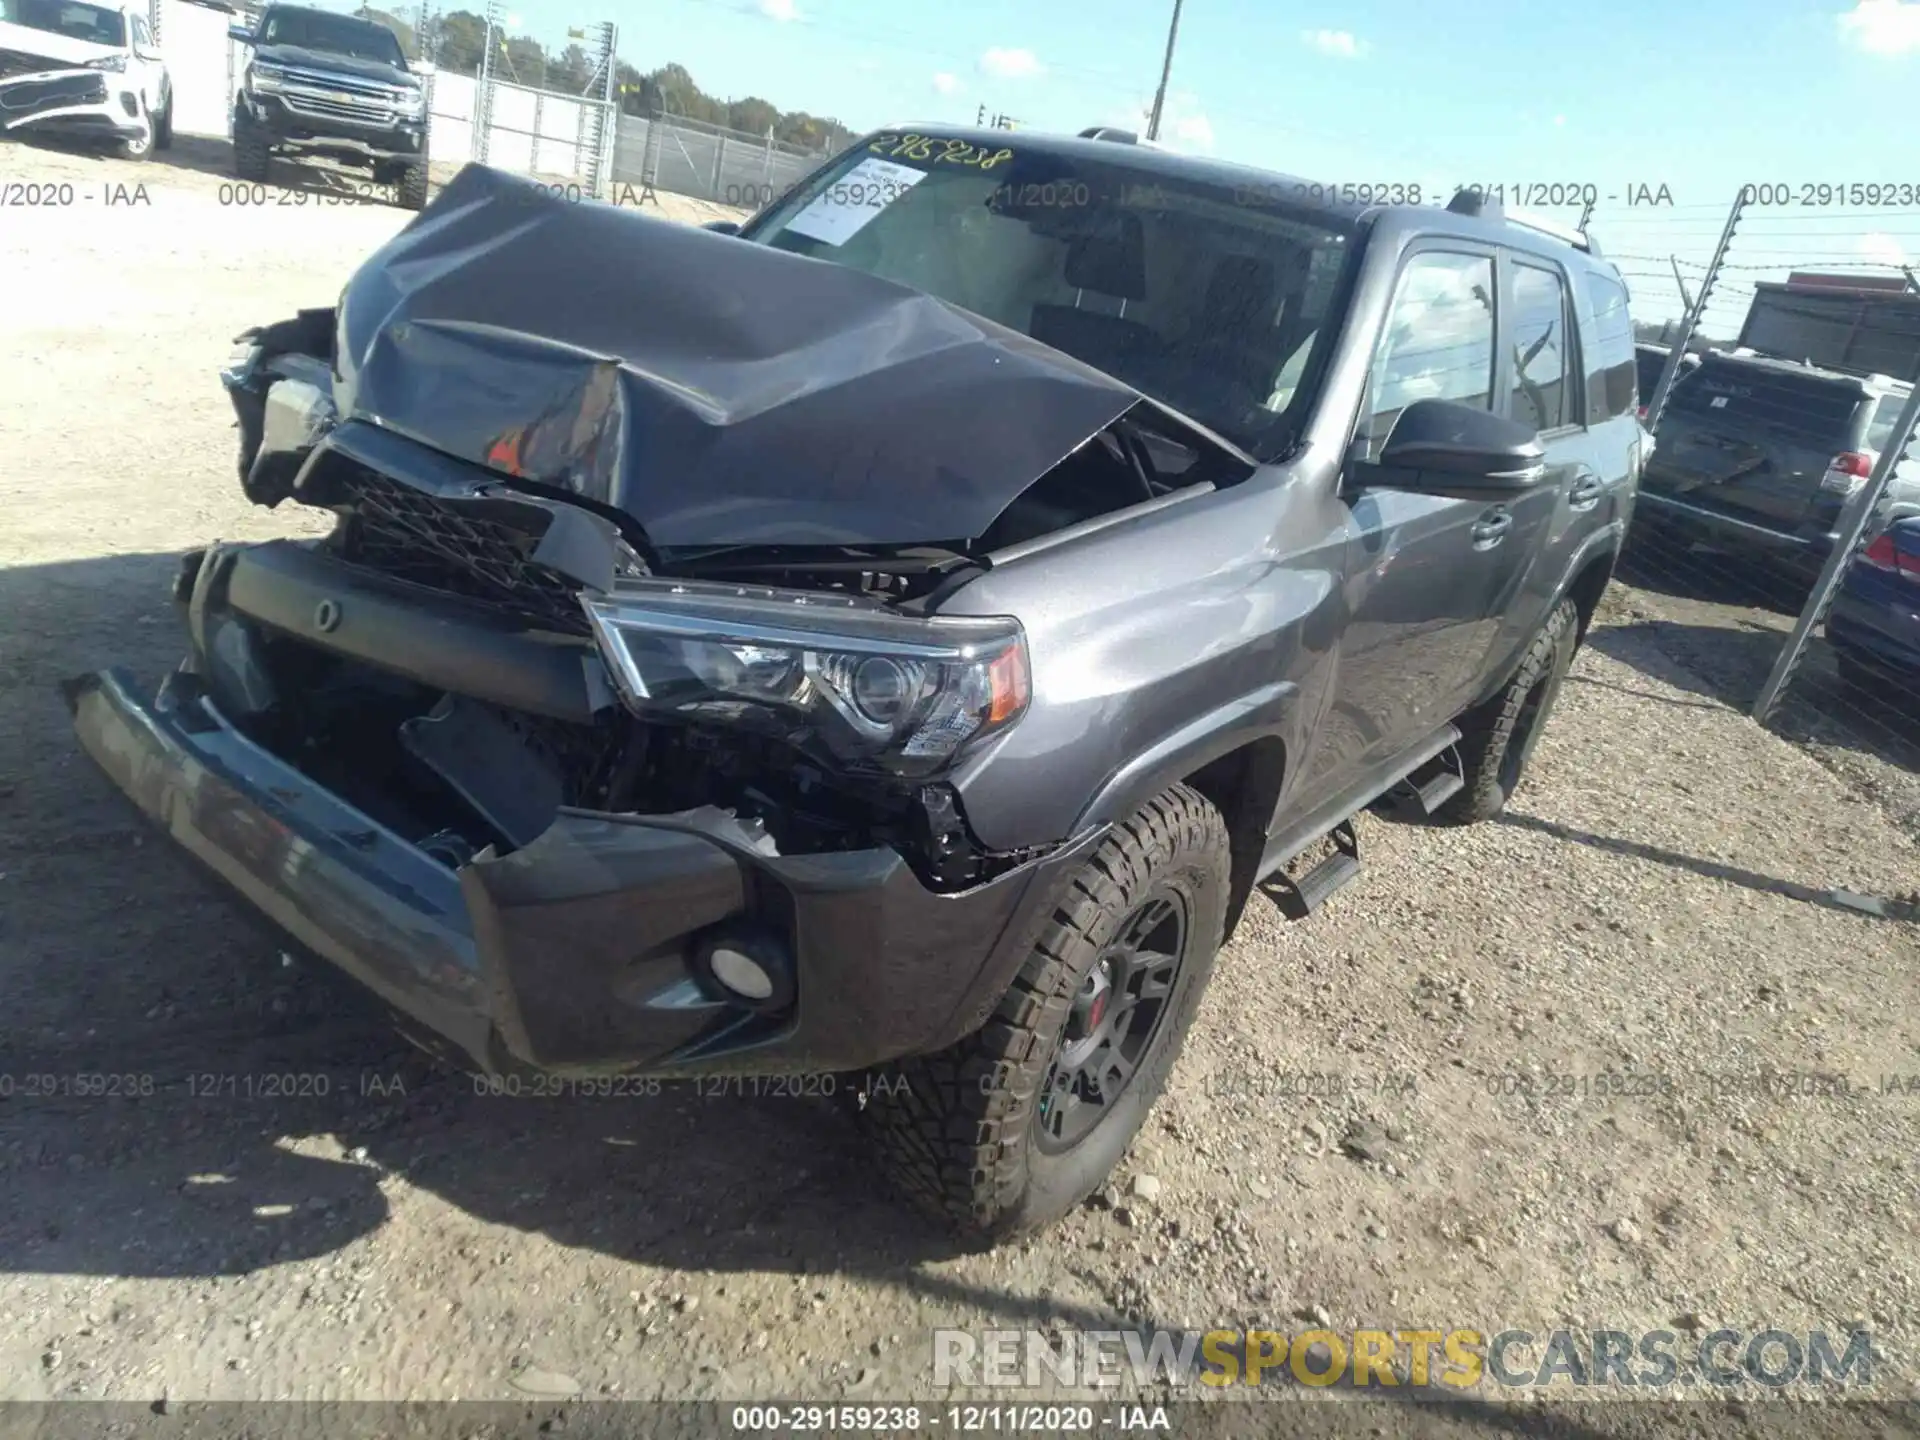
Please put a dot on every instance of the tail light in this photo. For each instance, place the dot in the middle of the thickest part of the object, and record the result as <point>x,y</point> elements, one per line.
<point>1847,472</point>
<point>1642,412</point>
<point>1884,554</point>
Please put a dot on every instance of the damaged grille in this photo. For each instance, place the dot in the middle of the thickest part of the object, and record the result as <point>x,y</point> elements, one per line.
<point>60,90</point>
<point>409,535</point>
<point>592,762</point>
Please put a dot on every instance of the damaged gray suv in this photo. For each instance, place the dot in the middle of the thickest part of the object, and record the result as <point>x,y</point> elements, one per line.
<point>893,642</point>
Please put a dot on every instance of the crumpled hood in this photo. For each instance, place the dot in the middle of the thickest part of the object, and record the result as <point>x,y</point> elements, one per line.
<point>719,392</point>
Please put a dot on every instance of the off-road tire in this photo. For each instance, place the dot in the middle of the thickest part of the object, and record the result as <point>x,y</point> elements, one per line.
<point>955,1130</point>
<point>163,126</point>
<point>251,154</point>
<point>410,188</point>
<point>1497,739</point>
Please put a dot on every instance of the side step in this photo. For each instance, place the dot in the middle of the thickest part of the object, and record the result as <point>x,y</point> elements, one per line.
<point>1429,787</point>
<point>1300,897</point>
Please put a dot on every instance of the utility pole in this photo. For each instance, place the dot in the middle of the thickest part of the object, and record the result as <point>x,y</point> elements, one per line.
<point>1166,71</point>
<point>981,118</point>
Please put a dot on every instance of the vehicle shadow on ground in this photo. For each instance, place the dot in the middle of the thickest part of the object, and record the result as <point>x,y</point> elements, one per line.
<point>1894,910</point>
<point>1730,663</point>
<point>1658,561</point>
<point>294,181</point>
<point>180,1098</point>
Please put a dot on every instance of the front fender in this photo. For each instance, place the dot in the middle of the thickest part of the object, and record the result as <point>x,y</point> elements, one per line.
<point>1262,714</point>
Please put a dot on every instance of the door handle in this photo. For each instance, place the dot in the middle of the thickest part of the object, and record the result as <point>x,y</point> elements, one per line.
<point>1491,529</point>
<point>1585,493</point>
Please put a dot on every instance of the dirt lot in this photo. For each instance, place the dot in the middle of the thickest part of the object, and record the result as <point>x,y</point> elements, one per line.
<point>1655,906</point>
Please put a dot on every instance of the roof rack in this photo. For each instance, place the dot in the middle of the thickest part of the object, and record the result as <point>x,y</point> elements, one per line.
<point>1487,207</point>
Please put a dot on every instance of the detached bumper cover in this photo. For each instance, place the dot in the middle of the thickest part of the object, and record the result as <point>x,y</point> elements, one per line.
<point>572,954</point>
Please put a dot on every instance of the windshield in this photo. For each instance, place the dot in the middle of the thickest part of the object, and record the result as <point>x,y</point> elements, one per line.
<point>1210,304</point>
<point>335,34</point>
<point>1734,397</point>
<point>95,24</point>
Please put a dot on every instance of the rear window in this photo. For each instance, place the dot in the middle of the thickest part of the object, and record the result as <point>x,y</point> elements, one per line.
<point>1880,428</point>
<point>1803,406</point>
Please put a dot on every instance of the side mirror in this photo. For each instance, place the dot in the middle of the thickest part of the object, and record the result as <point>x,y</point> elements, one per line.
<point>722,227</point>
<point>1441,447</point>
<point>240,33</point>
<point>147,52</point>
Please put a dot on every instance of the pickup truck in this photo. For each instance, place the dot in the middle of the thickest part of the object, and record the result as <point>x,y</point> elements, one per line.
<point>322,83</point>
<point>896,640</point>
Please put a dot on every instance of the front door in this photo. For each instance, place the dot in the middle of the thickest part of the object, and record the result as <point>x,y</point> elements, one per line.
<point>1420,568</point>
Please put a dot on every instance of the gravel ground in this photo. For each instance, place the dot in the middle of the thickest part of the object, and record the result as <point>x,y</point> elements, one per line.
<point>1655,906</point>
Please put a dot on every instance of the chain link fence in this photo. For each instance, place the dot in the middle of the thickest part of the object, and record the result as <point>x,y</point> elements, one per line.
<point>709,162</point>
<point>1776,544</point>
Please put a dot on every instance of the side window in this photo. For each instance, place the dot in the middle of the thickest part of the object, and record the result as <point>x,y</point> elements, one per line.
<point>1612,371</point>
<point>1542,349</point>
<point>1880,427</point>
<point>1438,343</point>
<point>141,39</point>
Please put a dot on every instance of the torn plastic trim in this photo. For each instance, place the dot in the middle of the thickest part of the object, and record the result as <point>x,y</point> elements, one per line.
<point>575,954</point>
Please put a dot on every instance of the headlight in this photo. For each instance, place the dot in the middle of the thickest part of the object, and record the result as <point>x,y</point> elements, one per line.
<point>875,688</point>
<point>412,103</point>
<point>267,77</point>
<point>107,62</point>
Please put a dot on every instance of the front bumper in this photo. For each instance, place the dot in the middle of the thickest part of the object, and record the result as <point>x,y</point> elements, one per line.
<point>574,954</point>
<point>1809,543</point>
<point>77,101</point>
<point>279,119</point>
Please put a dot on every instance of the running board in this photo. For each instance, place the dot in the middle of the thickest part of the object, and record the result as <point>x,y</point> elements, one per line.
<point>1299,898</point>
<point>1429,787</point>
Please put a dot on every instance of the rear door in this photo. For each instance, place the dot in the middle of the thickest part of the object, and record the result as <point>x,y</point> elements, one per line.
<point>1755,440</point>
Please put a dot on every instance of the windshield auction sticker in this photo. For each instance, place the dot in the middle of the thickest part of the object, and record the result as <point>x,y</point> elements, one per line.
<point>844,208</point>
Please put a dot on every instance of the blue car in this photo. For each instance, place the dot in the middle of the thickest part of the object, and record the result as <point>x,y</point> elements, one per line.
<point>1874,626</point>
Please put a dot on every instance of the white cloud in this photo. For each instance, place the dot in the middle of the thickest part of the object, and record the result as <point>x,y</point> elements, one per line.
<point>947,84</point>
<point>1194,130</point>
<point>780,10</point>
<point>1004,64</point>
<point>1882,248</point>
<point>1883,27</point>
<point>1342,44</point>
<point>1183,124</point>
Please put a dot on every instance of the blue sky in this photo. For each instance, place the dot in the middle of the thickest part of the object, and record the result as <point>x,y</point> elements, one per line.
<point>1697,95</point>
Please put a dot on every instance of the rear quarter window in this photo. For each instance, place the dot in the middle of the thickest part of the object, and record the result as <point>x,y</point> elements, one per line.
<point>1613,378</point>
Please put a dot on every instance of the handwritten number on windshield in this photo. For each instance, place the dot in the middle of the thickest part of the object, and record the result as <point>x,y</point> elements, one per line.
<point>937,150</point>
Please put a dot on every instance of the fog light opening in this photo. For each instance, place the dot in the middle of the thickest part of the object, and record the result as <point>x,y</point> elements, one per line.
<point>740,973</point>
<point>749,969</point>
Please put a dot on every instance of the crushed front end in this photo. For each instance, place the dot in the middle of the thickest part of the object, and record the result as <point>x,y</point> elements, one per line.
<point>623,719</point>
<point>557,807</point>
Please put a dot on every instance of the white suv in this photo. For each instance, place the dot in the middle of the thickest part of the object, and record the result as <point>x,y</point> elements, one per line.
<point>77,68</point>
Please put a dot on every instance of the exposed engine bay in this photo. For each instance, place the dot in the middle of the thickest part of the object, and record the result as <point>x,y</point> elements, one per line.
<point>536,605</point>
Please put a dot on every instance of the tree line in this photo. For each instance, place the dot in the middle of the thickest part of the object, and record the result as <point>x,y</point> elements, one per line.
<point>456,42</point>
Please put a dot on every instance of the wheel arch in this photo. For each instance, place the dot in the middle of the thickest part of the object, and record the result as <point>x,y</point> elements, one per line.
<point>1244,785</point>
<point>1591,575</point>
